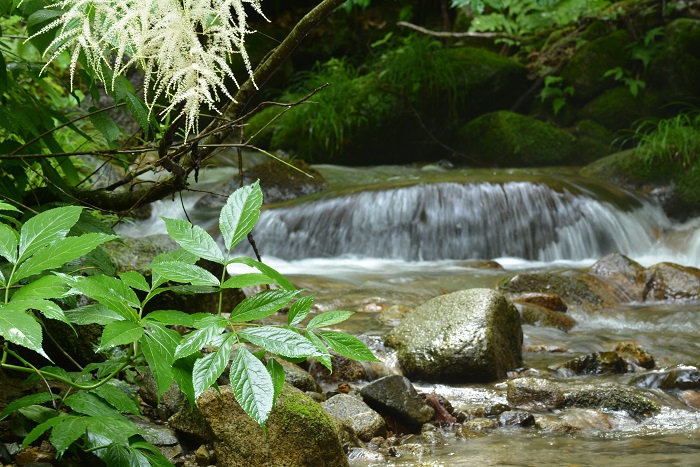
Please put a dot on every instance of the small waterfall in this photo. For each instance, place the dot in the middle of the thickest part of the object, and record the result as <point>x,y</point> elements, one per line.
<point>459,221</point>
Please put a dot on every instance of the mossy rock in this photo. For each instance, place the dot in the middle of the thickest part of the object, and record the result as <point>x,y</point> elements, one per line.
<point>586,69</point>
<point>584,291</point>
<point>612,397</point>
<point>617,109</point>
<point>675,71</point>
<point>508,139</point>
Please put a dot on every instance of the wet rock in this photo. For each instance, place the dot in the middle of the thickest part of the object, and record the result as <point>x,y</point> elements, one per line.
<point>634,355</point>
<point>691,398</point>
<point>611,397</point>
<point>669,281</point>
<point>483,264</point>
<point>544,300</point>
<point>535,393</point>
<point>596,363</point>
<point>468,336</point>
<point>365,456</point>
<point>364,421</point>
<point>344,370</point>
<point>203,456</point>
<point>480,425</point>
<point>347,435</point>
<point>679,377</point>
<point>396,396</point>
<point>516,418</point>
<point>627,277</point>
<point>586,419</point>
<point>299,432</point>
<point>171,401</point>
<point>32,455</point>
<point>539,316</point>
<point>430,434</point>
<point>584,291</point>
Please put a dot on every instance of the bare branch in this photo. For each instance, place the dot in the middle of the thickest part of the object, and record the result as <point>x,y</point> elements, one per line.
<point>451,34</point>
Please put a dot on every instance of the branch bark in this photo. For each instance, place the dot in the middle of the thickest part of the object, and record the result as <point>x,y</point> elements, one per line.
<point>216,132</point>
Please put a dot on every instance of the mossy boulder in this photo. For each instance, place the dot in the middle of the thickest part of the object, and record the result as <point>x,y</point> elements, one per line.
<point>617,109</point>
<point>611,397</point>
<point>508,139</point>
<point>596,363</point>
<point>586,69</point>
<point>675,71</point>
<point>583,291</point>
<point>467,336</point>
<point>299,432</point>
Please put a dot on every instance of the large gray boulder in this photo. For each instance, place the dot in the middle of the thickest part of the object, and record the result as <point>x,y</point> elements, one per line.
<point>467,336</point>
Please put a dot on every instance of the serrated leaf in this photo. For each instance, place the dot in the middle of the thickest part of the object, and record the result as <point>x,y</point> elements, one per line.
<point>194,239</point>
<point>239,214</point>
<point>89,404</point>
<point>176,255</point>
<point>279,341</point>
<point>208,369</point>
<point>106,126</point>
<point>67,431</point>
<point>182,373</point>
<point>182,272</point>
<point>152,454</point>
<point>159,350</point>
<point>135,280</point>
<point>37,413</point>
<point>324,358</point>
<point>111,429</point>
<point>111,292</point>
<point>277,375</point>
<point>348,346</point>
<point>117,398</point>
<point>138,109</point>
<point>261,305</point>
<point>300,310</point>
<point>45,287</point>
<point>9,241</point>
<point>278,278</point>
<point>95,313</point>
<point>246,280</point>
<point>21,328</point>
<point>48,308</point>
<point>39,430</point>
<point>8,207</point>
<point>328,319</point>
<point>252,386</point>
<point>26,401</point>
<point>170,317</point>
<point>120,333</point>
<point>46,228</point>
<point>59,253</point>
<point>201,337</point>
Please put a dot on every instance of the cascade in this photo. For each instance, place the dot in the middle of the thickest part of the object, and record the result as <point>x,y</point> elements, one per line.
<point>448,220</point>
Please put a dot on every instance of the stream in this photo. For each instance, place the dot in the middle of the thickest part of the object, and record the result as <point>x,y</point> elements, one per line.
<point>397,236</point>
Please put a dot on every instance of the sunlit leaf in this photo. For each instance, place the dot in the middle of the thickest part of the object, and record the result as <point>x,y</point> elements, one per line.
<point>328,319</point>
<point>194,239</point>
<point>246,280</point>
<point>279,341</point>
<point>200,338</point>
<point>261,305</point>
<point>46,228</point>
<point>278,278</point>
<point>300,310</point>
<point>44,287</point>
<point>277,374</point>
<point>348,346</point>
<point>20,328</point>
<point>120,333</point>
<point>239,215</point>
<point>182,272</point>
<point>252,385</point>
<point>208,369</point>
<point>158,348</point>
<point>9,241</point>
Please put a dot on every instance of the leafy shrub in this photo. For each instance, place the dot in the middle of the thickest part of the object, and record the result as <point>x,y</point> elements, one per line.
<point>89,414</point>
<point>672,142</point>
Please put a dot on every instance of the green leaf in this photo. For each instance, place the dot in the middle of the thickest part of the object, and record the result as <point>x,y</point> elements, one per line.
<point>120,333</point>
<point>90,404</point>
<point>239,215</point>
<point>348,346</point>
<point>279,341</point>
<point>109,291</point>
<point>159,350</point>
<point>324,358</point>
<point>45,228</point>
<point>138,109</point>
<point>328,319</point>
<point>135,280</point>
<point>95,313</point>
<point>277,375</point>
<point>40,430</point>
<point>42,288</point>
<point>194,239</point>
<point>182,373</point>
<point>252,385</point>
<point>8,207</point>
<point>20,328</point>
<point>106,126</point>
<point>117,397</point>
<point>47,308</point>
<point>3,73</point>
<point>300,310</point>
<point>152,454</point>
<point>37,413</point>
<point>278,278</point>
<point>59,253</point>
<point>26,401</point>
<point>171,317</point>
<point>208,369</point>
<point>183,272</point>
<point>261,305</point>
<point>246,280</point>
<point>67,431</point>
<point>9,241</point>
<point>196,340</point>
<point>115,429</point>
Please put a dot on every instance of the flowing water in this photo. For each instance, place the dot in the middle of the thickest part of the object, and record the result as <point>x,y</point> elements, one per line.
<point>398,236</point>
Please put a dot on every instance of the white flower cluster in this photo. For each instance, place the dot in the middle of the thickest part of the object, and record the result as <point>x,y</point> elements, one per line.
<point>183,46</point>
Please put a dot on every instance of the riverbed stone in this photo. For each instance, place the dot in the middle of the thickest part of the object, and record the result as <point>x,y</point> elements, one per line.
<point>596,363</point>
<point>395,395</point>
<point>516,418</point>
<point>611,396</point>
<point>299,432</point>
<point>535,393</point>
<point>467,336</point>
<point>669,281</point>
<point>677,377</point>
<point>545,300</point>
<point>582,290</point>
<point>635,356</point>
<point>627,276</point>
<point>366,422</point>
<point>539,316</point>
<point>344,370</point>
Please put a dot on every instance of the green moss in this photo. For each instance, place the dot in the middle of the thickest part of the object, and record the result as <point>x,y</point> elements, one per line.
<point>294,405</point>
<point>618,109</point>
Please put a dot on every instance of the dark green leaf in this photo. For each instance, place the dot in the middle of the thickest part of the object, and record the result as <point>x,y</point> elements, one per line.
<point>152,454</point>
<point>239,215</point>
<point>183,272</point>
<point>39,430</point>
<point>111,429</point>
<point>95,313</point>
<point>90,404</point>
<point>182,373</point>
<point>20,328</point>
<point>252,385</point>
<point>208,369</point>
<point>48,308</point>
<point>159,350</point>
<point>328,319</point>
<point>117,396</point>
<point>277,374</point>
<point>9,241</point>
<point>324,358</point>
<point>67,431</point>
<point>111,292</point>
<point>194,239</point>
<point>300,310</point>
<point>279,341</point>
<point>106,126</point>
<point>196,340</point>
<point>26,401</point>
<point>278,278</point>
<point>3,74</point>
<point>46,228</point>
<point>246,280</point>
<point>42,288</point>
<point>261,305</point>
<point>37,413</point>
<point>138,109</point>
<point>120,333</point>
<point>348,346</point>
<point>170,317</point>
<point>135,280</point>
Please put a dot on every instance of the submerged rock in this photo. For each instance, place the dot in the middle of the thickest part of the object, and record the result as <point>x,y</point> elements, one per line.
<point>364,421</point>
<point>635,356</point>
<point>679,377</point>
<point>535,393</point>
<point>596,363</point>
<point>539,316</point>
<point>468,336</point>
<point>611,397</point>
<point>396,396</point>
